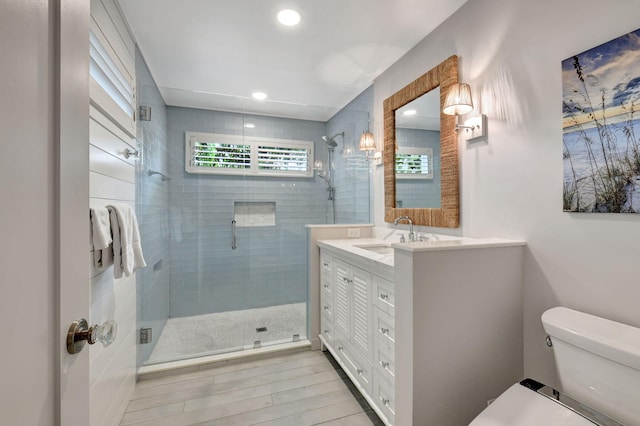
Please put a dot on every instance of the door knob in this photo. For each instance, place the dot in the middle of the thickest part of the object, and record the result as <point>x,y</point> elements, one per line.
<point>80,333</point>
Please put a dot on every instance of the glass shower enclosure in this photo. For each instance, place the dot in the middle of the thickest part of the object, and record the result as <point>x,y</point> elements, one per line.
<point>227,253</point>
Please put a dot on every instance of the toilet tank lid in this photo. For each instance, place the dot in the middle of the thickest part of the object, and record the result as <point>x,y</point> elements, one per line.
<point>613,340</point>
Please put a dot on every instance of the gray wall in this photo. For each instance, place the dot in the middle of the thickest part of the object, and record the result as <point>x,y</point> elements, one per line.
<point>152,209</point>
<point>269,267</point>
<point>511,53</point>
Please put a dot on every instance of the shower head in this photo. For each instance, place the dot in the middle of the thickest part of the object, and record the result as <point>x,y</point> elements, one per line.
<point>330,141</point>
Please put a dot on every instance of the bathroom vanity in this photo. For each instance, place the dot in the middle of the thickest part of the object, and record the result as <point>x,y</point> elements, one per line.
<point>427,331</point>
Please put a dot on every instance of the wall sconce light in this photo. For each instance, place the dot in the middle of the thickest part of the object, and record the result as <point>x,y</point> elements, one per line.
<point>459,102</point>
<point>367,143</point>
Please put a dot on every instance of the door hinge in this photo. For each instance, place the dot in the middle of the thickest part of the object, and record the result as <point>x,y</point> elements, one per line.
<point>145,335</point>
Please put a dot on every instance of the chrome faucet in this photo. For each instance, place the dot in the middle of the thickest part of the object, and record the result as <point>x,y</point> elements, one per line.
<point>412,236</point>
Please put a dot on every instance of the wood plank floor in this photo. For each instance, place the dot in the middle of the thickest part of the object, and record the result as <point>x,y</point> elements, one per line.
<point>300,388</point>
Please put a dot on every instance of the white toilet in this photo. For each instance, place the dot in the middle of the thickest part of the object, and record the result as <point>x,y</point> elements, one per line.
<point>598,365</point>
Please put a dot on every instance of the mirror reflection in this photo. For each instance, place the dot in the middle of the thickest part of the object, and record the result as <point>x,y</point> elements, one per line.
<point>417,159</point>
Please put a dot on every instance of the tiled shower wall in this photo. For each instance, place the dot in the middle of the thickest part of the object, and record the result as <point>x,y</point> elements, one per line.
<point>419,193</point>
<point>269,266</point>
<point>152,209</point>
<point>351,169</point>
<point>185,222</point>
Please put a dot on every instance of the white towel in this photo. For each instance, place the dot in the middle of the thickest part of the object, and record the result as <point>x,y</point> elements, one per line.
<point>101,238</point>
<point>127,250</point>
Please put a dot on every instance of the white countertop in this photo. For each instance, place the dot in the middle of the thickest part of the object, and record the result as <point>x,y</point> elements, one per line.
<point>457,244</point>
<point>349,245</point>
<point>435,243</point>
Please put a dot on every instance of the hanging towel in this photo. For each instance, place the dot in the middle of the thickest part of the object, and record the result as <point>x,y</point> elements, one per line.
<point>101,238</point>
<point>127,250</point>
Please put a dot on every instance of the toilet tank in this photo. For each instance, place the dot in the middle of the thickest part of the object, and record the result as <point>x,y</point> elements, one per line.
<point>598,362</point>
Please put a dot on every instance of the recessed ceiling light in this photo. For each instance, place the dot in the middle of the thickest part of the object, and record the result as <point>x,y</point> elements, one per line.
<point>410,112</point>
<point>249,125</point>
<point>259,96</point>
<point>289,17</point>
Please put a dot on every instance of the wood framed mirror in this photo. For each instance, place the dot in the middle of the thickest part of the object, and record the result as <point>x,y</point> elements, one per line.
<point>447,213</point>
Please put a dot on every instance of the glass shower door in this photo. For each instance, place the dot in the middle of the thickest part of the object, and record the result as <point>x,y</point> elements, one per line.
<point>220,298</point>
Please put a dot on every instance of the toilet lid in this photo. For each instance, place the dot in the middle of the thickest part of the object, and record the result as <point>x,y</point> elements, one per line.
<point>519,406</point>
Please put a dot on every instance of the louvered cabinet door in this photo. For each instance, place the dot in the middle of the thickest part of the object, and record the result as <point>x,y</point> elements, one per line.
<point>361,287</point>
<point>341,309</point>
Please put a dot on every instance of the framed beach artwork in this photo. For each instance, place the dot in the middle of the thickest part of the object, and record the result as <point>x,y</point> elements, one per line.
<point>601,128</point>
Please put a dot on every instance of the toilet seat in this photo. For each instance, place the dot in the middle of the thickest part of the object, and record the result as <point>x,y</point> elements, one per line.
<point>523,405</point>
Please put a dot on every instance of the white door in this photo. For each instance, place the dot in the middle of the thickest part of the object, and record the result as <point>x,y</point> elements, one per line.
<point>73,204</point>
<point>43,216</point>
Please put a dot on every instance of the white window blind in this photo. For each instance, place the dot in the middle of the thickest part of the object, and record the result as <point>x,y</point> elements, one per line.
<point>221,155</point>
<point>414,163</point>
<point>112,87</point>
<point>282,158</point>
<point>228,154</point>
<point>107,75</point>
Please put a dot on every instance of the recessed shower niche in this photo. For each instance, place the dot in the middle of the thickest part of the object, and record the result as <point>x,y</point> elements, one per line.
<point>254,213</point>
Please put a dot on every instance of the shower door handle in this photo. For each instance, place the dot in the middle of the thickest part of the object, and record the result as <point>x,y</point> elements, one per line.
<point>233,235</point>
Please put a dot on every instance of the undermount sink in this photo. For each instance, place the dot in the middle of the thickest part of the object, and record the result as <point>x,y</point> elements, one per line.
<point>377,248</point>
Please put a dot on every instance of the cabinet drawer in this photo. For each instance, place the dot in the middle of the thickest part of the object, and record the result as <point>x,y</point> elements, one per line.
<point>326,306</point>
<point>326,266</point>
<point>384,396</point>
<point>327,332</point>
<point>384,295</point>
<point>327,287</point>
<point>359,368</point>
<point>384,327</point>
<point>384,360</point>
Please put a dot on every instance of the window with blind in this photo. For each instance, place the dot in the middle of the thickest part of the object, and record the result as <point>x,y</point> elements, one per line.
<point>228,154</point>
<point>414,163</point>
<point>112,70</point>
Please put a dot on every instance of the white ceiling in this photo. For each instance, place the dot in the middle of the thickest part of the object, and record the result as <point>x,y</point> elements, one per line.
<point>213,54</point>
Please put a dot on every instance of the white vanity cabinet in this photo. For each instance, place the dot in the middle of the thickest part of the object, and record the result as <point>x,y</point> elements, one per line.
<point>357,326</point>
<point>429,333</point>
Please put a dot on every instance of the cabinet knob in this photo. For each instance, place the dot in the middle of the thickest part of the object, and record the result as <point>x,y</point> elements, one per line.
<point>384,331</point>
<point>325,285</point>
<point>326,331</point>
<point>345,279</point>
<point>385,401</point>
<point>384,364</point>
<point>384,296</point>
<point>325,264</point>
<point>359,371</point>
<point>326,308</point>
<point>340,348</point>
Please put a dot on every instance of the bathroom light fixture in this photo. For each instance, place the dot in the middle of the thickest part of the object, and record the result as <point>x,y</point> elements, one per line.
<point>259,96</point>
<point>459,102</point>
<point>289,17</point>
<point>367,143</point>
